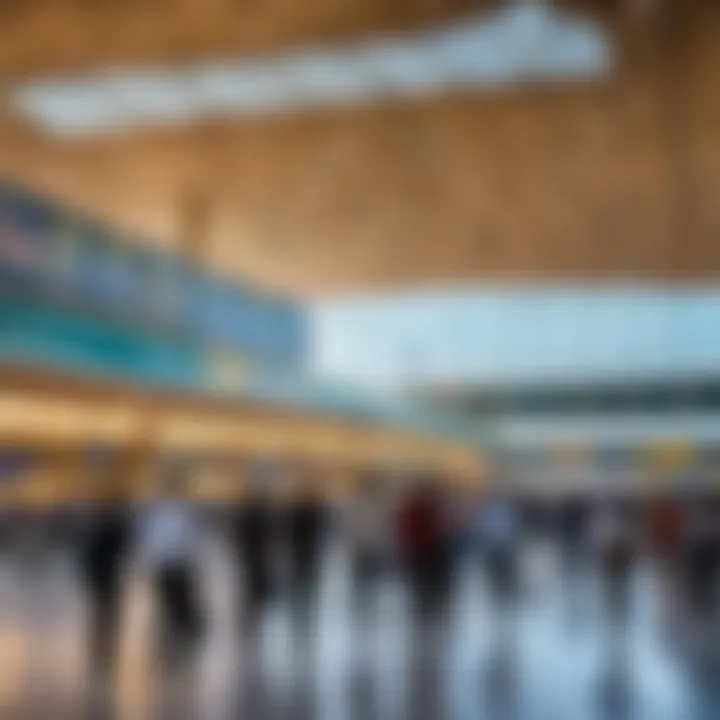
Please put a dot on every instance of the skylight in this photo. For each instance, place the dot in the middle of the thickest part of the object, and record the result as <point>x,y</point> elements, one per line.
<point>524,42</point>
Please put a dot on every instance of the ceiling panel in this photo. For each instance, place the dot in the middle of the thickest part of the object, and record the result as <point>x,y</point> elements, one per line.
<point>617,179</point>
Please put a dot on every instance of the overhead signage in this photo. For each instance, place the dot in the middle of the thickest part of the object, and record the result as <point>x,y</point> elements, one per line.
<point>99,269</point>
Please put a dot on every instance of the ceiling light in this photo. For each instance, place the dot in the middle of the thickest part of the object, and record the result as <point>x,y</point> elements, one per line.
<point>525,42</point>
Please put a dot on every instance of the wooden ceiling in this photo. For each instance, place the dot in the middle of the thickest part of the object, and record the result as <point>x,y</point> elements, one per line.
<point>618,180</point>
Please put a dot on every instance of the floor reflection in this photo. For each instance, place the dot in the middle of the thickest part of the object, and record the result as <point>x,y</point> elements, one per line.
<point>558,654</point>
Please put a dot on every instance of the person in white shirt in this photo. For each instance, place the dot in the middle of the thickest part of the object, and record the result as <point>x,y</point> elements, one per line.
<point>169,543</point>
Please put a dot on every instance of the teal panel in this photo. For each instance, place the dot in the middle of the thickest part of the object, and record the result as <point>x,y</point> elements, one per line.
<point>51,337</point>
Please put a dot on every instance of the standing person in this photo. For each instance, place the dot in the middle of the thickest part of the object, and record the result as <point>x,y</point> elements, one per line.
<point>573,521</point>
<point>170,543</point>
<point>305,524</point>
<point>703,555</point>
<point>665,532</point>
<point>665,529</point>
<point>616,535</point>
<point>254,531</point>
<point>500,529</point>
<point>369,531</point>
<point>616,538</point>
<point>458,526</point>
<point>572,532</point>
<point>103,552</point>
<point>422,536</point>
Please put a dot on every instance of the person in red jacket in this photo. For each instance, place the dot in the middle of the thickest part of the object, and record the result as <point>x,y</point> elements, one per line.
<point>666,528</point>
<point>421,532</point>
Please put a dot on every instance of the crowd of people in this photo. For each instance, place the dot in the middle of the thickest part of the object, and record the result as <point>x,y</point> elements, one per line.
<point>418,531</point>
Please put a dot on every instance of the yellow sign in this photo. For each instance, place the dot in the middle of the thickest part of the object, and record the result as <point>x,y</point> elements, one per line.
<point>672,455</point>
<point>226,371</point>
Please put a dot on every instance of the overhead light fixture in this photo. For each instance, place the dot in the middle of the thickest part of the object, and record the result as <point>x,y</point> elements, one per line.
<point>527,41</point>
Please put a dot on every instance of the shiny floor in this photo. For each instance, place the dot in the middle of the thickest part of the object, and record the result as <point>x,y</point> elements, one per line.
<point>557,657</point>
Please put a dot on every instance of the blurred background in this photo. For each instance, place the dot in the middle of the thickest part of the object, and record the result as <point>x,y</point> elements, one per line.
<point>360,359</point>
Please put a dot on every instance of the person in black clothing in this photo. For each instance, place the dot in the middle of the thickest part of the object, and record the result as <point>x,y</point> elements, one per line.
<point>573,527</point>
<point>103,555</point>
<point>572,532</point>
<point>703,555</point>
<point>171,543</point>
<point>254,531</point>
<point>573,519</point>
<point>305,525</point>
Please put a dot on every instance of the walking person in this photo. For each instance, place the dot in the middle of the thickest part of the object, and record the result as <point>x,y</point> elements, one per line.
<point>422,538</point>
<point>703,555</point>
<point>103,552</point>
<point>305,523</point>
<point>170,544</point>
<point>615,537</point>
<point>255,526</point>
<point>368,526</point>
<point>499,529</point>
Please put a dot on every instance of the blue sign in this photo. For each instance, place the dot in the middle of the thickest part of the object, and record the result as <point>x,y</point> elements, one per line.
<point>98,269</point>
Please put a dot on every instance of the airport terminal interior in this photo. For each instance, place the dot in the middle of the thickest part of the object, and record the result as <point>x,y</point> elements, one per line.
<point>360,359</point>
